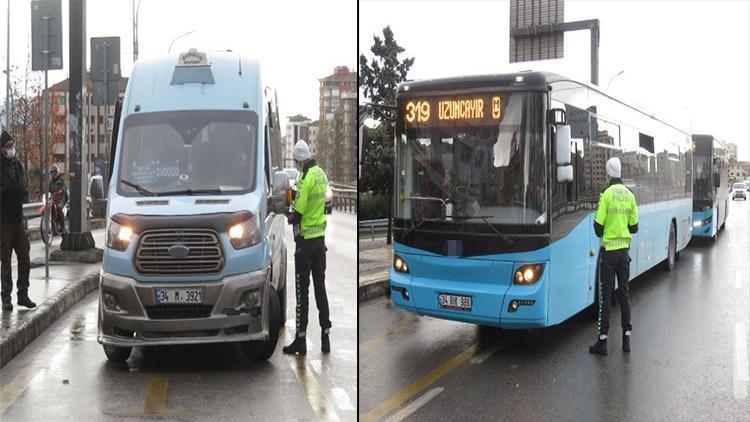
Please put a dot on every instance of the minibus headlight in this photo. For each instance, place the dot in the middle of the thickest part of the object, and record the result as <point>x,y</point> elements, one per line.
<point>528,274</point>
<point>399,264</point>
<point>118,235</point>
<point>244,234</point>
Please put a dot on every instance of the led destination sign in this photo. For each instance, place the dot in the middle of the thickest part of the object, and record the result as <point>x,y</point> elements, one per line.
<point>446,110</point>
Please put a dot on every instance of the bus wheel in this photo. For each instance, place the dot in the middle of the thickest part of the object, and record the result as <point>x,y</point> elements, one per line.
<point>671,251</point>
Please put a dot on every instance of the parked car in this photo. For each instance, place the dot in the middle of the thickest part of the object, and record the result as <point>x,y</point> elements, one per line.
<point>739,190</point>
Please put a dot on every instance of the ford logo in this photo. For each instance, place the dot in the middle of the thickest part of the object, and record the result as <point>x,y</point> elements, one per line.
<point>178,251</point>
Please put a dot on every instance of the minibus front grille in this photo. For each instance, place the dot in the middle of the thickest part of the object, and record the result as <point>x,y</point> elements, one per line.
<point>205,254</point>
<point>178,311</point>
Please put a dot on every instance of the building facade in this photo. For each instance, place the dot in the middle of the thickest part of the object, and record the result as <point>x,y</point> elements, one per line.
<point>337,136</point>
<point>96,141</point>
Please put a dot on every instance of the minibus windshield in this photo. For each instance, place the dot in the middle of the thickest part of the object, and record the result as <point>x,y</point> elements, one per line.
<point>188,152</point>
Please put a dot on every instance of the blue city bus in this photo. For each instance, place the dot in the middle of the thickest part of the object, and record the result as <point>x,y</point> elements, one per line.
<point>497,181</point>
<point>710,186</point>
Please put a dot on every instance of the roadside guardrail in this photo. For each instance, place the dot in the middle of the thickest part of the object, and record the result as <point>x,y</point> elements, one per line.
<point>372,227</point>
<point>344,199</point>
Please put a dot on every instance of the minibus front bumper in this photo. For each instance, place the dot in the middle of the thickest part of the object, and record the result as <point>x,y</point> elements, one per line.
<point>137,320</point>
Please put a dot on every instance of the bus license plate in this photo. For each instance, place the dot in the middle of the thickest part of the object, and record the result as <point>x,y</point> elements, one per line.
<point>447,301</point>
<point>164,296</point>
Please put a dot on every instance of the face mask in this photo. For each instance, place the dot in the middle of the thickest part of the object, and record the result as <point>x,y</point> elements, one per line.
<point>10,152</point>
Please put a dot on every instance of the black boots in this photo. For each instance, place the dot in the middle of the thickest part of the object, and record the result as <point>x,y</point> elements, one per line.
<point>298,346</point>
<point>24,300</point>
<point>626,341</point>
<point>600,347</point>
<point>325,342</point>
<point>7,305</point>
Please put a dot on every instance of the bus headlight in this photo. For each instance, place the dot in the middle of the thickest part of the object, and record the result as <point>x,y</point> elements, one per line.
<point>528,274</point>
<point>118,236</point>
<point>399,264</point>
<point>697,223</point>
<point>245,233</point>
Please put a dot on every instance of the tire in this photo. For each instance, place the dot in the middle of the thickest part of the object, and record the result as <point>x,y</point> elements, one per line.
<point>116,353</point>
<point>259,351</point>
<point>48,231</point>
<point>283,295</point>
<point>594,309</point>
<point>668,264</point>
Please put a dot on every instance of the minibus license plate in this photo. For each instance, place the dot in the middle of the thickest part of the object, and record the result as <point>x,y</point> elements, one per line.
<point>454,302</point>
<point>164,296</point>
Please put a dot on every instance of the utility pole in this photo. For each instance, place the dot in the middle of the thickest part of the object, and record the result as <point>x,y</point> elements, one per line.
<point>7,75</point>
<point>135,30</point>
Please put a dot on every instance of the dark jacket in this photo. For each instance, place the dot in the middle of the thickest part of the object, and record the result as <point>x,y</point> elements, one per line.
<point>12,190</point>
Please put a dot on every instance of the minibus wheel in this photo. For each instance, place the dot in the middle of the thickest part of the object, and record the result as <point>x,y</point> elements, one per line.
<point>259,351</point>
<point>282,296</point>
<point>117,353</point>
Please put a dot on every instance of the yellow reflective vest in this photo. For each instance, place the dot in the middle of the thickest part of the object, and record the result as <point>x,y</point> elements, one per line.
<point>618,213</point>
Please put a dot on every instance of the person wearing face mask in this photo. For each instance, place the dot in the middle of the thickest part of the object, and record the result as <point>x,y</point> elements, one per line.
<point>309,226</point>
<point>13,235</point>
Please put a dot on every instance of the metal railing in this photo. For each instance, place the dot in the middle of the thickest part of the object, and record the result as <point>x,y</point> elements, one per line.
<point>372,227</point>
<point>344,199</point>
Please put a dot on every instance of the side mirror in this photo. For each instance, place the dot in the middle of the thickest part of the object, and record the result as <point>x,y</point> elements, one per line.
<point>562,145</point>
<point>565,173</point>
<point>717,180</point>
<point>562,154</point>
<point>279,196</point>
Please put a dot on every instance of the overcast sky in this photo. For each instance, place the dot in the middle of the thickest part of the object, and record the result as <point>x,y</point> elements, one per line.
<point>675,54</point>
<point>298,42</point>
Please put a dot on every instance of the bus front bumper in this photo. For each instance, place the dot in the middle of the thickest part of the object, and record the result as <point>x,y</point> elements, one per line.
<point>504,306</point>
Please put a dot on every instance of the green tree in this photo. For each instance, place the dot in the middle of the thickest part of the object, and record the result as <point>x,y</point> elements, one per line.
<point>378,81</point>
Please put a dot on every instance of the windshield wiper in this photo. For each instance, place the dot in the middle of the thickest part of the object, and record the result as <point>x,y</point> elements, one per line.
<point>191,192</point>
<point>484,218</point>
<point>137,187</point>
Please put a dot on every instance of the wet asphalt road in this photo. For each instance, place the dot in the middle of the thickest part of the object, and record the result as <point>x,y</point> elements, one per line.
<point>64,374</point>
<point>688,360</point>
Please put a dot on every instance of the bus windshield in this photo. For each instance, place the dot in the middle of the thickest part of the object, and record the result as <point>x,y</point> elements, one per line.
<point>703,188</point>
<point>186,152</point>
<point>474,170</point>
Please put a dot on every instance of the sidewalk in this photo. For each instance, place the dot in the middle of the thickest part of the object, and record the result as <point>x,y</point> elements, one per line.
<point>374,262</point>
<point>68,283</point>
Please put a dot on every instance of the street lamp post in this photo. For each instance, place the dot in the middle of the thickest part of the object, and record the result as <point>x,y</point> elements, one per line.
<point>177,38</point>
<point>136,9</point>
<point>613,78</point>
<point>7,77</point>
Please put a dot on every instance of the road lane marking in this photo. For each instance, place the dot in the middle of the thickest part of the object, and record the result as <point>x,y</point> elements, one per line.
<point>741,374</point>
<point>316,396</point>
<point>156,396</point>
<point>342,399</point>
<point>417,386</point>
<point>415,405</point>
<point>489,352</point>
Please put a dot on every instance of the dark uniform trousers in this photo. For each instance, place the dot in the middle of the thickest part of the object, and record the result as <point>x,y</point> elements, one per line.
<point>310,258</point>
<point>13,236</point>
<point>614,263</point>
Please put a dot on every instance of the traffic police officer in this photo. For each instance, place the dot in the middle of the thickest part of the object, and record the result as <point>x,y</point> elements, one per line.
<point>309,222</point>
<point>615,221</point>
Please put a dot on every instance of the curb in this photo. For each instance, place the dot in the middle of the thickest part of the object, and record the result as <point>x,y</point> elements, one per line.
<point>374,286</point>
<point>45,315</point>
